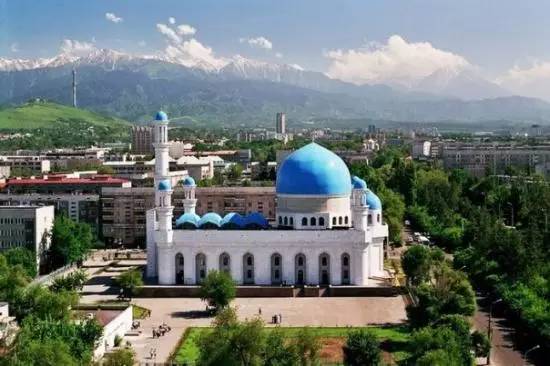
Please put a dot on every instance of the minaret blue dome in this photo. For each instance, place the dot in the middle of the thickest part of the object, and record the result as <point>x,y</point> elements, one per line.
<point>313,170</point>
<point>189,181</point>
<point>161,116</point>
<point>373,201</point>
<point>358,183</point>
<point>165,185</point>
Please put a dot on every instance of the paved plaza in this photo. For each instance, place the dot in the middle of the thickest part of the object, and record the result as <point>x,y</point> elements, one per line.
<point>180,313</point>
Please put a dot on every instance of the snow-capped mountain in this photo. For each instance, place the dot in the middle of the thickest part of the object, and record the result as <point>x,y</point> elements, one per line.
<point>464,84</point>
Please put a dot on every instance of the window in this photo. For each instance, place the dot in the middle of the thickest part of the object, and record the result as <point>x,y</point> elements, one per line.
<point>345,261</point>
<point>280,220</point>
<point>321,221</point>
<point>378,218</point>
<point>277,261</point>
<point>291,221</point>
<point>286,220</point>
<point>334,221</point>
<point>249,260</point>
<point>304,221</point>
<point>346,220</point>
<point>249,274</point>
<point>300,261</point>
<point>313,221</point>
<point>369,219</point>
<point>340,220</point>
<point>277,274</point>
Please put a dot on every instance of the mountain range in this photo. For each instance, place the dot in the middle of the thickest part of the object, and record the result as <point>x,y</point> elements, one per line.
<point>242,91</point>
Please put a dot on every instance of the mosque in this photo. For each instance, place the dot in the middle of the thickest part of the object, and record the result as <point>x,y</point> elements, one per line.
<point>328,228</point>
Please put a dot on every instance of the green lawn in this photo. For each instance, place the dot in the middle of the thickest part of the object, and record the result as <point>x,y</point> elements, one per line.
<point>395,338</point>
<point>44,114</point>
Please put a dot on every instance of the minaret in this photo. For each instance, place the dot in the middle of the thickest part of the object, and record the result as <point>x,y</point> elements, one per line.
<point>163,201</point>
<point>74,88</point>
<point>189,202</point>
<point>359,205</point>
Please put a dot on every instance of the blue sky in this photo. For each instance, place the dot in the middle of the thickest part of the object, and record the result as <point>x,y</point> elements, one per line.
<point>492,35</point>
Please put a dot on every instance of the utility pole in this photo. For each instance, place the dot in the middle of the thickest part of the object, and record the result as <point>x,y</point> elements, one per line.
<point>74,88</point>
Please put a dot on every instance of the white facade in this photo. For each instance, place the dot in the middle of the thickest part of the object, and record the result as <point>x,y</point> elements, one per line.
<point>118,326</point>
<point>325,239</point>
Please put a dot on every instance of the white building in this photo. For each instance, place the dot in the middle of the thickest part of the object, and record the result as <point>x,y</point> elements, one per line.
<point>328,228</point>
<point>26,226</point>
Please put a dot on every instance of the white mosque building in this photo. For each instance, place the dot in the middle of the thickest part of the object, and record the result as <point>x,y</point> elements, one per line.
<point>328,229</point>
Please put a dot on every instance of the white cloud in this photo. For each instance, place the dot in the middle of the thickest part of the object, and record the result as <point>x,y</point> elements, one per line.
<point>76,48</point>
<point>260,42</point>
<point>14,47</point>
<point>396,62</point>
<point>169,33</point>
<point>532,81</point>
<point>113,18</point>
<point>279,55</point>
<point>186,30</point>
<point>172,20</point>
<point>188,52</point>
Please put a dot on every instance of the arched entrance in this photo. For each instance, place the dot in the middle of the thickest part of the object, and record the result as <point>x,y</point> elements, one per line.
<point>225,263</point>
<point>200,267</point>
<point>324,269</point>
<point>276,269</point>
<point>300,269</point>
<point>346,273</point>
<point>248,269</point>
<point>179,269</point>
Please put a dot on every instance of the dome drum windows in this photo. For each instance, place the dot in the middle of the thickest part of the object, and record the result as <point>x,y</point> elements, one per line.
<point>276,269</point>
<point>248,269</point>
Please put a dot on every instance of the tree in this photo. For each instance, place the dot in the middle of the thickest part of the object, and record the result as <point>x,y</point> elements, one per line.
<point>120,357</point>
<point>235,171</point>
<point>48,352</point>
<point>24,257</point>
<point>218,289</point>
<point>71,241</point>
<point>362,349</point>
<point>416,263</point>
<point>307,346</point>
<point>130,281</point>
<point>72,282</point>
<point>278,352</point>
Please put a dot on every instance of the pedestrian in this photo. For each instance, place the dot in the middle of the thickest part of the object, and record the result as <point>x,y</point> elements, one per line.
<point>280,318</point>
<point>260,311</point>
<point>154,333</point>
<point>151,353</point>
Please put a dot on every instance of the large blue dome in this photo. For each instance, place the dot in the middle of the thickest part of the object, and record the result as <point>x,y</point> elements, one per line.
<point>313,170</point>
<point>161,116</point>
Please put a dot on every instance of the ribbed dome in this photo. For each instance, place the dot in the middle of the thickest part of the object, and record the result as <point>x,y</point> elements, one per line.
<point>188,219</point>
<point>373,201</point>
<point>161,116</point>
<point>165,185</point>
<point>256,219</point>
<point>189,181</point>
<point>232,220</point>
<point>313,170</point>
<point>210,219</point>
<point>358,183</point>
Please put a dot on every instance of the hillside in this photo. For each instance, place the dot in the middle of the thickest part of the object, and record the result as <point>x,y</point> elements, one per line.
<point>35,115</point>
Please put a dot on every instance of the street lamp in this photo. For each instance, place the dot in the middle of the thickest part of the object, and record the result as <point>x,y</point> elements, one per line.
<point>490,329</point>
<point>530,350</point>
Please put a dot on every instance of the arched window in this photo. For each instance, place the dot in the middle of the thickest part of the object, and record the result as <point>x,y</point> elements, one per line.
<point>369,219</point>
<point>286,221</point>
<point>304,221</point>
<point>300,269</point>
<point>179,269</point>
<point>248,269</point>
<point>378,218</point>
<point>200,267</point>
<point>324,269</point>
<point>276,269</point>
<point>345,269</point>
<point>340,220</point>
<point>334,221</point>
<point>280,220</point>
<point>291,221</point>
<point>313,221</point>
<point>225,263</point>
<point>321,221</point>
<point>346,220</point>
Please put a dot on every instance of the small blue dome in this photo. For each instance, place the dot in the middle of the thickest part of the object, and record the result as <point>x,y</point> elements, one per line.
<point>373,201</point>
<point>188,219</point>
<point>233,219</point>
<point>256,219</point>
<point>358,183</point>
<point>313,170</point>
<point>189,181</point>
<point>161,116</point>
<point>211,219</point>
<point>165,185</point>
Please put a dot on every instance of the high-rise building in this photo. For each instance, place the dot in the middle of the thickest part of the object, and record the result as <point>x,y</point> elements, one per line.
<point>280,125</point>
<point>142,140</point>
